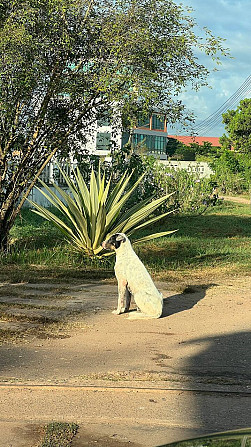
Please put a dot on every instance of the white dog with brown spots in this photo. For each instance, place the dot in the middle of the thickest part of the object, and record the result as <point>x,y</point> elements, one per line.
<point>133,280</point>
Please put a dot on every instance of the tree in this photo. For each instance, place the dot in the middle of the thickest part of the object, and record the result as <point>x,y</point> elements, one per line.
<point>172,146</point>
<point>238,127</point>
<point>63,63</point>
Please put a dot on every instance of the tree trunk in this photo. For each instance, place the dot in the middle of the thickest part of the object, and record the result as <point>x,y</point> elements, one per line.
<point>6,222</point>
<point>4,236</point>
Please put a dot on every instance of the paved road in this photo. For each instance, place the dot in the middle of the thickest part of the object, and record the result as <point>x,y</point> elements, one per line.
<point>166,415</point>
<point>135,382</point>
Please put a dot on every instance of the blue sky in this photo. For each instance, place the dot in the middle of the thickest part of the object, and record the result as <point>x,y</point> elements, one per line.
<point>231,20</point>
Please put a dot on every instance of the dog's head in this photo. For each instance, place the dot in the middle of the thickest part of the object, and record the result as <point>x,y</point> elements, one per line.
<point>114,242</point>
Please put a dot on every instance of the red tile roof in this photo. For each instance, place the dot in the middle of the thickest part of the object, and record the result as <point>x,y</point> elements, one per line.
<point>186,139</point>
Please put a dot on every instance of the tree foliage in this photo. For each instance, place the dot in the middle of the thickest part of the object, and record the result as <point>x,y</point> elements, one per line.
<point>192,151</point>
<point>64,62</point>
<point>238,127</point>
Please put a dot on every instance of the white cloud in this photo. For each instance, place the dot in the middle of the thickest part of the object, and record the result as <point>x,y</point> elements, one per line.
<point>229,19</point>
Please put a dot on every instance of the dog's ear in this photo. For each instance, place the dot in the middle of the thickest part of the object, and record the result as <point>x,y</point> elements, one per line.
<point>120,237</point>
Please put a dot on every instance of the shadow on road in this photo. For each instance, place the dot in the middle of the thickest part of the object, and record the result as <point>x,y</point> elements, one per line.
<point>223,360</point>
<point>186,300</point>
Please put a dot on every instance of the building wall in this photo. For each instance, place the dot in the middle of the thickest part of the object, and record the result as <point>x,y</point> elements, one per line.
<point>99,139</point>
<point>151,132</point>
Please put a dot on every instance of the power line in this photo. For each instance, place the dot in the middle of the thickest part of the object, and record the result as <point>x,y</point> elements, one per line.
<point>230,100</point>
<point>216,118</point>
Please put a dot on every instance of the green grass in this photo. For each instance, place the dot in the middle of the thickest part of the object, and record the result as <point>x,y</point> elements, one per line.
<point>59,434</point>
<point>216,242</point>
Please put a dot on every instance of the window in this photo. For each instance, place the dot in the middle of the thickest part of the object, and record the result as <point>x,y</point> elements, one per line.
<point>125,138</point>
<point>103,141</point>
<point>159,145</point>
<point>106,119</point>
<point>139,138</point>
<point>157,123</point>
<point>154,144</point>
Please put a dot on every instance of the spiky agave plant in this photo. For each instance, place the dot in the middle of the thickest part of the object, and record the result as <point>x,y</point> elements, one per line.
<point>93,214</point>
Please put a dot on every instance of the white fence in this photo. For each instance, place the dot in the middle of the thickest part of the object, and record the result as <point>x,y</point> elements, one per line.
<point>201,168</point>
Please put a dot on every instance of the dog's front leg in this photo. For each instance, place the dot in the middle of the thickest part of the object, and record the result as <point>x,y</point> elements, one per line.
<point>123,299</point>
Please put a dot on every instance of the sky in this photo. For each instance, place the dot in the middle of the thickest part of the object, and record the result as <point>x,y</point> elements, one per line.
<point>231,20</point>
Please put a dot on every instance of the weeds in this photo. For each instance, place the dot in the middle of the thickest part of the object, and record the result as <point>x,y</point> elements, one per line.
<point>59,434</point>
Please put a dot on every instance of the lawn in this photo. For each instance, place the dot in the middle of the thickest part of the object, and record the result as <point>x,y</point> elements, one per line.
<point>214,243</point>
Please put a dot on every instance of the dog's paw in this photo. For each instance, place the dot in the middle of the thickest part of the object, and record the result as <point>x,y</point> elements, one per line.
<point>124,310</point>
<point>116,312</point>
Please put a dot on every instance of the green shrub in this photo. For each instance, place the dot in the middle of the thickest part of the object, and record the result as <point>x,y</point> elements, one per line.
<point>192,193</point>
<point>232,172</point>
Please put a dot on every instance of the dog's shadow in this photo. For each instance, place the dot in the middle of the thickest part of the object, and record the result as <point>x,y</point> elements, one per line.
<point>185,300</point>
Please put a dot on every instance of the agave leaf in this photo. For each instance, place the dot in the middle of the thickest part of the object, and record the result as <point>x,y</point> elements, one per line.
<point>101,189</point>
<point>150,237</point>
<point>117,229</point>
<point>106,191</point>
<point>100,227</point>
<point>71,211</point>
<point>133,209</point>
<point>93,193</point>
<point>100,178</point>
<point>71,186</point>
<point>46,214</point>
<point>99,250</point>
<point>83,191</point>
<point>144,212</point>
<point>75,215</point>
<point>56,201</point>
<point>94,205</point>
<point>118,190</point>
<point>52,197</point>
<point>113,213</point>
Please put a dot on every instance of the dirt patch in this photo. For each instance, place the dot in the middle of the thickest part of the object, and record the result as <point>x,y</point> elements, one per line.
<point>18,434</point>
<point>237,199</point>
<point>46,310</point>
<point>85,438</point>
<point>82,339</point>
